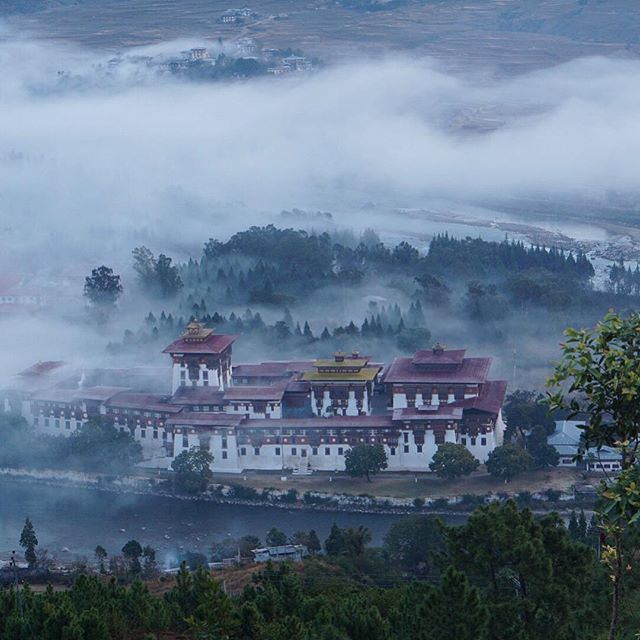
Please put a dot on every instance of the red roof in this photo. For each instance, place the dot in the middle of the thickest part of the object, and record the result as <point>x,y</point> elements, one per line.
<point>298,386</point>
<point>471,371</point>
<point>268,392</point>
<point>57,394</point>
<point>197,396</point>
<point>197,418</point>
<point>99,393</point>
<point>216,343</point>
<point>490,400</point>
<point>433,357</point>
<point>144,402</point>
<point>271,369</point>
<point>42,368</point>
<point>429,412</point>
<point>354,422</point>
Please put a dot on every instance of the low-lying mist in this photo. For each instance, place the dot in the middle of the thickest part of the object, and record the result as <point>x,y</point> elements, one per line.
<point>97,159</point>
<point>94,160</point>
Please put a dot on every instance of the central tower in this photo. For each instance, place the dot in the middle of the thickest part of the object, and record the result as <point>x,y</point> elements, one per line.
<point>201,358</point>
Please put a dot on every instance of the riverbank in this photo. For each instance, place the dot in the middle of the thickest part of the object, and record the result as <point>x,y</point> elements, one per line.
<point>72,517</point>
<point>551,490</point>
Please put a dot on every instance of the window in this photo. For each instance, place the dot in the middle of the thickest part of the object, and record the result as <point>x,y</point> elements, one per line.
<point>340,451</point>
<point>36,420</point>
<point>143,433</point>
<point>277,451</point>
<point>294,451</point>
<point>155,434</point>
<point>463,441</point>
<point>256,451</point>
<point>473,442</point>
<point>392,451</point>
<point>224,455</point>
<point>243,451</point>
<point>406,438</point>
<point>419,448</point>
<point>205,378</point>
<point>56,423</point>
<point>314,451</point>
<point>224,443</point>
<point>406,448</point>
<point>67,424</point>
<point>483,442</point>
<point>327,451</point>
<point>185,442</point>
<point>303,453</point>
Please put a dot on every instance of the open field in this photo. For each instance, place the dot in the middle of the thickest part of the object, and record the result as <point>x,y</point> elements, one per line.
<point>408,485</point>
<point>511,35</point>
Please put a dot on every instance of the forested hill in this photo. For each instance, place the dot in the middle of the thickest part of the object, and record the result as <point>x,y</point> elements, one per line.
<point>291,288</point>
<point>270,265</point>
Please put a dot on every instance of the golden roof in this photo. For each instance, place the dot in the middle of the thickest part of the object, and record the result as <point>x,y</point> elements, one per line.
<point>364,375</point>
<point>196,332</point>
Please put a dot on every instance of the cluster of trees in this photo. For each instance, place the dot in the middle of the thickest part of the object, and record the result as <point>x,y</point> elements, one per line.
<point>623,280</point>
<point>157,277</point>
<point>96,446</point>
<point>385,326</point>
<point>277,266</point>
<point>503,574</point>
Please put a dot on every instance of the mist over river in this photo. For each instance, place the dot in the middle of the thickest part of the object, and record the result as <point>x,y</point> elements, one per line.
<point>79,519</point>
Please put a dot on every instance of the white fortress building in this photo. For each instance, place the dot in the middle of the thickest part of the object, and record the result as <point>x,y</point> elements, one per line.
<point>296,415</point>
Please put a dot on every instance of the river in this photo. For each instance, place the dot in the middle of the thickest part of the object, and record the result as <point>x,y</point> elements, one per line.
<point>79,519</point>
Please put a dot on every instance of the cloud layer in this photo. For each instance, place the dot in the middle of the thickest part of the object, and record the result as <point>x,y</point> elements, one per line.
<point>93,162</point>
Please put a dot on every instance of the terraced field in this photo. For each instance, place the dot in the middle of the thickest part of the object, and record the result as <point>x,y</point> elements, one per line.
<point>511,35</point>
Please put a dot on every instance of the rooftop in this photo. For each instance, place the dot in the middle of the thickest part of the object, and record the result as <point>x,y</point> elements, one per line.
<point>470,371</point>
<point>335,422</point>
<point>42,368</point>
<point>143,401</point>
<point>199,339</point>
<point>99,393</point>
<point>207,419</point>
<point>271,369</point>
<point>491,397</point>
<point>429,412</point>
<point>267,392</point>
<point>197,395</point>
<point>438,356</point>
<point>365,374</point>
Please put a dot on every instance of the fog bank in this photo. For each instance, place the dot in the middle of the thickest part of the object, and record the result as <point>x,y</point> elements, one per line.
<point>103,159</point>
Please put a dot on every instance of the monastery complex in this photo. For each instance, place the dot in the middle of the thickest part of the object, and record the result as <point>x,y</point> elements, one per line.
<point>297,415</point>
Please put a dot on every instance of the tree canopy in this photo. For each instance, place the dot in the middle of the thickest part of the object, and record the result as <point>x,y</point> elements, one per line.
<point>452,461</point>
<point>102,288</point>
<point>192,470</point>
<point>507,461</point>
<point>365,460</point>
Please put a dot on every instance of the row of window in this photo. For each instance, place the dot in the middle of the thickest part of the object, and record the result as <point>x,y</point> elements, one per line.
<point>56,422</point>
<point>314,451</point>
<point>135,412</point>
<point>205,378</point>
<point>483,442</point>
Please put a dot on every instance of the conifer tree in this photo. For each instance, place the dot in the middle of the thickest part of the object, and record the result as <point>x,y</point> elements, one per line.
<point>29,542</point>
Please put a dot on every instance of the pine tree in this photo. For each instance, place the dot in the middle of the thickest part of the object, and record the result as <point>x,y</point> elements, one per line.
<point>574,527</point>
<point>307,333</point>
<point>582,526</point>
<point>29,542</point>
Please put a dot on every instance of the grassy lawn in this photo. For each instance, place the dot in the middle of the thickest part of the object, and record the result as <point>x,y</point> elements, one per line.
<point>407,485</point>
